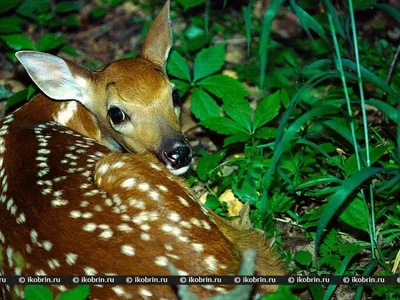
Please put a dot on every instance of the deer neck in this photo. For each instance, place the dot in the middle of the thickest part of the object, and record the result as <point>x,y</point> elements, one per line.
<point>70,114</point>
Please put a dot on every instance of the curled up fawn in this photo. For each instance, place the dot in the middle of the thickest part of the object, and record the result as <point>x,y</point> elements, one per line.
<point>72,203</point>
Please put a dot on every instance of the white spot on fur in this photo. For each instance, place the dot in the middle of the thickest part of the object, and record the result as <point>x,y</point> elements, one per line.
<point>128,250</point>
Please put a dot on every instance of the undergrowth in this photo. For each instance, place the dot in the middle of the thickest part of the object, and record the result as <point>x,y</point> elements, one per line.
<point>314,149</point>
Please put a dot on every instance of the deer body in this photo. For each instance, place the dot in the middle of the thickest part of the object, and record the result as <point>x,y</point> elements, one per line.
<point>71,205</point>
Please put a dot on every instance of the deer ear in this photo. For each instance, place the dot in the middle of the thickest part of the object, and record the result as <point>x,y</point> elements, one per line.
<point>158,41</point>
<point>56,77</point>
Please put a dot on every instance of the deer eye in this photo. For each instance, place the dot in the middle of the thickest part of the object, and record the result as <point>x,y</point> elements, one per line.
<point>176,100</point>
<point>117,116</point>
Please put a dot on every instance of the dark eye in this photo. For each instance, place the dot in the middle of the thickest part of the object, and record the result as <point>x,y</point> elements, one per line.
<point>176,100</point>
<point>116,115</point>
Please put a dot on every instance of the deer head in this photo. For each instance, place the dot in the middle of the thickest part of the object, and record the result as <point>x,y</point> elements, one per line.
<point>136,107</point>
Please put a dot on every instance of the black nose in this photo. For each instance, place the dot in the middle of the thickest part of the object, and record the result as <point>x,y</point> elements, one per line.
<point>178,156</point>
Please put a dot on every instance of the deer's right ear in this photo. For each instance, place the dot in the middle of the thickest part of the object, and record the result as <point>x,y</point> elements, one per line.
<point>57,78</point>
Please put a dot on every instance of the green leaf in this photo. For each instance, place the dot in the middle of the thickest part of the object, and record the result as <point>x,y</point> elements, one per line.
<point>303,257</point>
<point>283,292</point>
<point>99,12</point>
<point>307,21</point>
<point>337,200</point>
<point>363,4</point>
<point>203,105</point>
<point>38,292</point>
<point>207,163</point>
<point>17,98</point>
<point>266,110</point>
<point>390,9</point>
<point>387,109</point>
<point>72,20</point>
<point>18,42</point>
<point>265,133</point>
<point>350,165</point>
<point>50,41</point>
<point>208,61</point>
<point>317,180</point>
<point>223,125</point>
<point>190,3</point>
<point>11,24</point>
<point>79,293</point>
<point>264,38</point>
<point>355,214</point>
<point>281,203</point>
<point>6,5</point>
<point>223,86</point>
<point>178,67</point>
<point>212,202</point>
<point>365,74</point>
<point>182,86</point>
<point>67,6</point>
<point>236,138</point>
<point>239,110</point>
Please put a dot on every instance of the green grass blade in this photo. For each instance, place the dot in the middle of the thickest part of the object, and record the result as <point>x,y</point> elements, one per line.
<point>331,288</point>
<point>368,270</point>
<point>331,10</point>
<point>247,13</point>
<point>340,197</point>
<point>264,39</point>
<point>286,139</point>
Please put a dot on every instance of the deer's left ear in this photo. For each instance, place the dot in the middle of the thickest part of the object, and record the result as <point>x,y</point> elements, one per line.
<point>158,41</point>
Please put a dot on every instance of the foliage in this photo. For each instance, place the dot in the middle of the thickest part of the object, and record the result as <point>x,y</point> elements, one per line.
<point>316,147</point>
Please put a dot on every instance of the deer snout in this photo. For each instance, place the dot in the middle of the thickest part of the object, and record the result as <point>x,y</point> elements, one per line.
<point>177,155</point>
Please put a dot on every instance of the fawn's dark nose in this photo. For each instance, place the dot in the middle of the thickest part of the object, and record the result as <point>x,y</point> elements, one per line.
<point>176,154</point>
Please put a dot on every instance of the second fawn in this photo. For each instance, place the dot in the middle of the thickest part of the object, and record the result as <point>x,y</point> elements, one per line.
<point>70,205</point>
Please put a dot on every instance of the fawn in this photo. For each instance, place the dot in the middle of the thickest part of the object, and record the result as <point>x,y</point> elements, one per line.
<point>71,205</point>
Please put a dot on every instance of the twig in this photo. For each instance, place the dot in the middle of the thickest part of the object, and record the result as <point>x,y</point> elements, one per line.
<point>393,65</point>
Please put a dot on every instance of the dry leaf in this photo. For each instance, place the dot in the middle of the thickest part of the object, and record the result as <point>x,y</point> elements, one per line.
<point>234,205</point>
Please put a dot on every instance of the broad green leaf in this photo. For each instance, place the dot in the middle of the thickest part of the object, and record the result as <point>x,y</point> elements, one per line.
<point>182,86</point>
<point>178,67</point>
<point>240,137</point>
<point>208,61</point>
<point>50,41</point>
<point>18,42</point>
<point>11,24</point>
<point>6,5</point>
<point>239,110</point>
<point>223,125</point>
<point>341,128</point>
<point>303,257</point>
<point>79,293</point>
<point>223,86</point>
<point>67,6</point>
<point>355,214</point>
<point>38,292</point>
<point>307,21</point>
<point>266,110</point>
<point>375,153</point>
<point>190,3</point>
<point>203,105</point>
<point>390,9</point>
<point>339,198</point>
<point>207,163</point>
<point>387,109</point>
<point>212,202</point>
<point>72,20</point>
<point>283,292</point>
<point>265,133</point>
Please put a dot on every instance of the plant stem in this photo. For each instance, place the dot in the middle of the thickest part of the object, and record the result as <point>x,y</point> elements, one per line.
<point>365,124</point>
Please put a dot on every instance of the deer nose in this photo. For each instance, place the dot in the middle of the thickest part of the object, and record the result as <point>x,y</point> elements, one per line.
<point>176,154</point>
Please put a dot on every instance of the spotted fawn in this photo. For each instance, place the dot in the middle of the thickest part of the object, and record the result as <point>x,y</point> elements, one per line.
<point>76,202</point>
